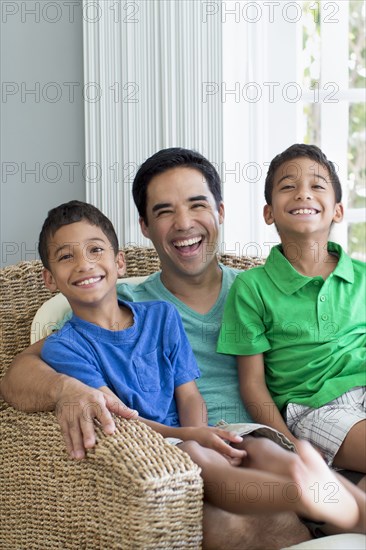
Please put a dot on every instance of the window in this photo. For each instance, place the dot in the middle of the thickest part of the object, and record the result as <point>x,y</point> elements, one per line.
<point>300,72</point>
<point>344,99</point>
<point>238,80</point>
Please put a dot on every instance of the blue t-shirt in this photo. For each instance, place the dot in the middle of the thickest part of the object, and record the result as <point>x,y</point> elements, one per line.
<point>142,364</point>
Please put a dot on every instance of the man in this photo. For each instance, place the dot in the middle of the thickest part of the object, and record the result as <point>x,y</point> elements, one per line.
<point>178,195</point>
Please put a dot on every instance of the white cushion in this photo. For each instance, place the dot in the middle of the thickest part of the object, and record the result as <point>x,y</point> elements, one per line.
<point>51,313</point>
<point>346,541</point>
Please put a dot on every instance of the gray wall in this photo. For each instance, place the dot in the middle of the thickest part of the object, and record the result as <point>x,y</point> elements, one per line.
<point>42,132</point>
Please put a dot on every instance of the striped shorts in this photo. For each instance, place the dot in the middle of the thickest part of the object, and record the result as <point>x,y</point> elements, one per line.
<point>327,426</point>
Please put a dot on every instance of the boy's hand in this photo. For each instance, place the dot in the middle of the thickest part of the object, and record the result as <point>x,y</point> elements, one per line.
<point>214,438</point>
<point>77,407</point>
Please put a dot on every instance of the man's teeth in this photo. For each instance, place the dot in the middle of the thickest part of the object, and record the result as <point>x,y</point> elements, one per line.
<point>188,242</point>
<point>304,211</point>
<point>88,281</point>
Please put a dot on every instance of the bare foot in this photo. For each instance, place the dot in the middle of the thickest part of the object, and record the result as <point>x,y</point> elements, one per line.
<point>323,496</point>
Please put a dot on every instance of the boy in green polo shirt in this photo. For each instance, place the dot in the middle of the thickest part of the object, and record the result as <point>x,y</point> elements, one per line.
<point>297,324</point>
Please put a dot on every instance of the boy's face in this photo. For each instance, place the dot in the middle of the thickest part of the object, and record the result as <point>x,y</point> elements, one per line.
<point>183,221</point>
<point>83,265</point>
<point>303,200</point>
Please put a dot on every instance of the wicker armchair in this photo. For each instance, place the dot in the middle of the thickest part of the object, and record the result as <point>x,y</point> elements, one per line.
<point>133,491</point>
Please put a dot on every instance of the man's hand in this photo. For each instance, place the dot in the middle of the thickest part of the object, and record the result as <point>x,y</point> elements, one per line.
<point>214,438</point>
<point>76,408</point>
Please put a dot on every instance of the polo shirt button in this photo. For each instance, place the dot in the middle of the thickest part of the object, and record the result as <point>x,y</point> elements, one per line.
<point>322,298</point>
<point>325,317</point>
<point>316,283</point>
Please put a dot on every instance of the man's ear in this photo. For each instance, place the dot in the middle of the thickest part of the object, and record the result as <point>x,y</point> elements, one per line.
<point>144,228</point>
<point>121,264</point>
<point>338,212</point>
<point>49,280</point>
<point>268,214</point>
<point>221,213</point>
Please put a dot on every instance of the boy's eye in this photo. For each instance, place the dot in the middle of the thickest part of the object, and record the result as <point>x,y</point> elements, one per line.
<point>288,186</point>
<point>94,251</point>
<point>199,205</point>
<point>65,257</point>
<point>318,186</point>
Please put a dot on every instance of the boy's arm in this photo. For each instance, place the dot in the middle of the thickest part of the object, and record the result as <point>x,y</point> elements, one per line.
<point>192,413</point>
<point>191,406</point>
<point>31,385</point>
<point>207,437</point>
<point>255,394</point>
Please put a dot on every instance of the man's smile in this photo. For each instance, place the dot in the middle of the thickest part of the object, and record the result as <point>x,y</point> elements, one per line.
<point>188,243</point>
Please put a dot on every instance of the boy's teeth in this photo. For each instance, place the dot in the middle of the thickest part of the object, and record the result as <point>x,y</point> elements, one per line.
<point>89,281</point>
<point>304,211</point>
<point>188,242</point>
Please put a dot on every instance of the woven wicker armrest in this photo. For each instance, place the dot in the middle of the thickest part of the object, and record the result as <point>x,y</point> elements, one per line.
<point>134,491</point>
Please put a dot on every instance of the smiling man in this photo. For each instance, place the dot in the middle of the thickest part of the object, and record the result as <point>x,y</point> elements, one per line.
<point>178,196</point>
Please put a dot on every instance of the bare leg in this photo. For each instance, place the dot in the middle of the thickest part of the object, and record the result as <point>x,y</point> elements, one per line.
<point>225,531</point>
<point>352,452</point>
<point>241,490</point>
<point>263,454</point>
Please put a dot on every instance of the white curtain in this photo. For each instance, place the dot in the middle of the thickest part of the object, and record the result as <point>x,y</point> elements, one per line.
<point>150,68</point>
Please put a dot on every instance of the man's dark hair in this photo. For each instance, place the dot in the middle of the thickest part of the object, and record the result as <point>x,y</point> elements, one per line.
<point>71,212</point>
<point>301,150</point>
<point>166,159</point>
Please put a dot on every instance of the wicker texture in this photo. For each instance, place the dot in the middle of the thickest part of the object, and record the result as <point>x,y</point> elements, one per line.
<point>134,491</point>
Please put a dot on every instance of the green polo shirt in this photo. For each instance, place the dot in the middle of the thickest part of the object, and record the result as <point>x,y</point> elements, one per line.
<point>311,331</point>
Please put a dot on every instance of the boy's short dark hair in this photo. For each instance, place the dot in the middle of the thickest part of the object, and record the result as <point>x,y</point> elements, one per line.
<point>166,159</point>
<point>72,212</point>
<point>301,150</point>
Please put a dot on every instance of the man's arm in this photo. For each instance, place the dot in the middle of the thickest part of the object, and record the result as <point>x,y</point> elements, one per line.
<point>255,394</point>
<point>32,385</point>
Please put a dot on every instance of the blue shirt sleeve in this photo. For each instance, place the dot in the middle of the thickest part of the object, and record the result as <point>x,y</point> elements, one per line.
<point>66,354</point>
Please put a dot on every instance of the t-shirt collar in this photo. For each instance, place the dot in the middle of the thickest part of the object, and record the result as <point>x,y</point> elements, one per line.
<point>289,281</point>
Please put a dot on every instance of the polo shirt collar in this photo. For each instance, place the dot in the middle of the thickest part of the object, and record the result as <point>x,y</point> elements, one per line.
<point>289,281</point>
<point>344,269</point>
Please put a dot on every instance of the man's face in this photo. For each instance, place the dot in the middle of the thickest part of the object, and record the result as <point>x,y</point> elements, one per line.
<point>182,221</point>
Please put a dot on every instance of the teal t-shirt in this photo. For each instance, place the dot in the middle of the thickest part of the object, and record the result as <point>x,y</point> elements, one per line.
<point>311,331</point>
<point>218,383</point>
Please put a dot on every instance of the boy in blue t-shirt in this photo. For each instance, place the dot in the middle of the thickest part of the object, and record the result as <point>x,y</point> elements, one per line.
<point>301,348</point>
<point>139,352</point>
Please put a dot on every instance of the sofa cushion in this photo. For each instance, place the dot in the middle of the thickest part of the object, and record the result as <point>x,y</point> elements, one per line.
<point>349,541</point>
<point>50,315</point>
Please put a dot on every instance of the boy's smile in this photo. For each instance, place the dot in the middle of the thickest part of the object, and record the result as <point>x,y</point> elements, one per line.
<point>183,220</point>
<point>83,265</point>
<point>303,199</point>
